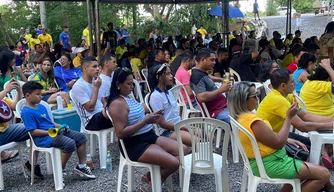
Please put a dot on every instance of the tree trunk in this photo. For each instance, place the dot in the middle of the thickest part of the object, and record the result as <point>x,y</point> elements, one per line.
<point>163,9</point>
<point>170,8</point>
<point>155,11</point>
<point>65,18</point>
<point>134,16</point>
<point>8,39</point>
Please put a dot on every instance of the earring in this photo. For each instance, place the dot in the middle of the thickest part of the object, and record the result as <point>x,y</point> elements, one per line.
<point>118,88</point>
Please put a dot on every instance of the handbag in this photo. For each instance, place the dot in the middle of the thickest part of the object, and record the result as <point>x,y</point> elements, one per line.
<point>297,153</point>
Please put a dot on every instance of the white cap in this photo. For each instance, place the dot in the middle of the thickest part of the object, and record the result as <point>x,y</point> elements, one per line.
<point>79,50</point>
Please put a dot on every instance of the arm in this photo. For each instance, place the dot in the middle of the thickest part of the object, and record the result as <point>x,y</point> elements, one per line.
<point>39,133</point>
<point>23,77</point>
<point>90,105</point>
<point>255,55</point>
<point>330,53</point>
<point>189,91</point>
<point>18,97</point>
<point>216,79</point>
<point>265,134</point>
<point>303,77</point>
<point>325,63</point>
<point>209,95</point>
<point>217,74</point>
<point>306,122</point>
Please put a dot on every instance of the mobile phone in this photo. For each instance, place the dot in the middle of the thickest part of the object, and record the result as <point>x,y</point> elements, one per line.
<point>108,44</point>
<point>161,112</point>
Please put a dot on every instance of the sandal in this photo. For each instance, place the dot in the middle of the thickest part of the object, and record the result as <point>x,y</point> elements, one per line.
<point>8,155</point>
<point>327,162</point>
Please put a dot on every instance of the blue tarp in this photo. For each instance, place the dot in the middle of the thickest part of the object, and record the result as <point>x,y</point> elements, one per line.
<point>234,12</point>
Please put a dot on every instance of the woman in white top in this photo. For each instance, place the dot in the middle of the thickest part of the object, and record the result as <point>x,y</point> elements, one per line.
<point>326,42</point>
<point>160,78</point>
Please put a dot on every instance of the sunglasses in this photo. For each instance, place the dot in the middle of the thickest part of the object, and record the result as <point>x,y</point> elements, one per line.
<point>162,67</point>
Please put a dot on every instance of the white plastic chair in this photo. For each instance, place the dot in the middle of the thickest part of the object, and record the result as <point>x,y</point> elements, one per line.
<point>186,111</point>
<point>137,92</point>
<point>154,170</point>
<point>31,77</point>
<point>8,146</point>
<point>144,72</point>
<point>53,152</point>
<point>203,160</point>
<point>101,136</point>
<point>235,151</point>
<point>249,178</point>
<point>235,74</point>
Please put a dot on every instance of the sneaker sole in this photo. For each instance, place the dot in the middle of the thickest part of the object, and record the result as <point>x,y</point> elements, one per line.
<point>84,175</point>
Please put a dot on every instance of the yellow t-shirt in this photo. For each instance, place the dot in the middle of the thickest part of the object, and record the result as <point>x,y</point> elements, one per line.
<point>120,51</point>
<point>137,64</point>
<point>288,42</point>
<point>246,120</point>
<point>231,37</point>
<point>143,54</point>
<point>272,43</point>
<point>77,61</point>
<point>33,42</point>
<point>27,37</point>
<point>45,39</point>
<point>287,60</point>
<point>318,97</point>
<point>203,32</point>
<point>4,126</point>
<point>85,33</point>
<point>273,108</point>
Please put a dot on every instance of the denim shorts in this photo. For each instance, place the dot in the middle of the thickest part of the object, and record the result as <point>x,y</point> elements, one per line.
<point>167,133</point>
<point>224,116</point>
<point>68,142</point>
<point>14,133</point>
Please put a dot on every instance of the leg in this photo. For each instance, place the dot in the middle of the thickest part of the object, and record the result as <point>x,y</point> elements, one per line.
<point>316,177</point>
<point>80,142</point>
<point>154,154</point>
<point>66,145</point>
<point>186,138</point>
<point>224,116</point>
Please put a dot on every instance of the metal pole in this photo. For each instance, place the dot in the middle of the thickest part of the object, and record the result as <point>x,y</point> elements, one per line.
<point>287,19</point>
<point>290,8</point>
<point>225,22</point>
<point>42,13</point>
<point>97,30</point>
<point>91,48</point>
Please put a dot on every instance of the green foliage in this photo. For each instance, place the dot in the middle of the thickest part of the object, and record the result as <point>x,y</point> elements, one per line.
<point>303,6</point>
<point>271,8</point>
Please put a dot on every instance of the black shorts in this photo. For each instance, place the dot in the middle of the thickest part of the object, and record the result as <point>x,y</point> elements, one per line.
<point>98,122</point>
<point>46,97</point>
<point>137,145</point>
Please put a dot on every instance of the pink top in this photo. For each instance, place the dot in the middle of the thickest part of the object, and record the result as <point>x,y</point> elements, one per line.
<point>183,76</point>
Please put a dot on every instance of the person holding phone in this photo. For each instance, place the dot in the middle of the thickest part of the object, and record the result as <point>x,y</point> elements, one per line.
<point>66,74</point>
<point>162,101</point>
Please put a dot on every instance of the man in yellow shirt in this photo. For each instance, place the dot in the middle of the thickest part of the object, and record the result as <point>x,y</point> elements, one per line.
<point>34,41</point>
<point>202,31</point>
<point>121,49</point>
<point>45,38</point>
<point>80,55</point>
<point>86,37</point>
<point>275,105</point>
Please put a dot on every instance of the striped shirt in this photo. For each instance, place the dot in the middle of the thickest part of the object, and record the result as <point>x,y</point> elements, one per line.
<point>136,115</point>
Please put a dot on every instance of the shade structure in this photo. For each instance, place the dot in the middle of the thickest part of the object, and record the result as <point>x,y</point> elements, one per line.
<point>140,1</point>
<point>234,12</point>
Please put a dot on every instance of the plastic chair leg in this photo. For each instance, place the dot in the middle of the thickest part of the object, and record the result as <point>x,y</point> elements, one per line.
<point>112,136</point>
<point>32,170</point>
<point>316,147</point>
<point>21,162</point>
<point>2,185</point>
<point>57,169</point>
<point>252,185</point>
<point>226,186</point>
<point>297,186</point>
<point>218,137</point>
<point>92,144</point>
<point>186,180</point>
<point>169,183</point>
<point>122,162</point>
<point>218,180</point>
<point>130,178</point>
<point>156,178</point>
<point>181,176</point>
<point>235,151</point>
<point>48,159</point>
<point>244,180</point>
<point>103,149</point>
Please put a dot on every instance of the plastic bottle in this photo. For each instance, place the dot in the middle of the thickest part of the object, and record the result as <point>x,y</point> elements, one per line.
<point>89,161</point>
<point>59,102</point>
<point>109,163</point>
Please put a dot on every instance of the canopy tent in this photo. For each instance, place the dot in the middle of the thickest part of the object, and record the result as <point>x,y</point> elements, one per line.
<point>234,12</point>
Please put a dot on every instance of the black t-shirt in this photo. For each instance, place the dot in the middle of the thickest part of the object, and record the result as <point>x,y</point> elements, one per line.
<point>240,64</point>
<point>111,37</point>
<point>221,67</point>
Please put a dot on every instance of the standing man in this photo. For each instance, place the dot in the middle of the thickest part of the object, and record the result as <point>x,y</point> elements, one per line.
<point>45,38</point>
<point>256,10</point>
<point>65,38</point>
<point>125,34</point>
<point>222,65</point>
<point>39,29</point>
<point>109,38</point>
<point>86,37</point>
<point>202,31</point>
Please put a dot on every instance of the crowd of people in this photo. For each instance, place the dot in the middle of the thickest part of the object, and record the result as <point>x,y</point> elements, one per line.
<point>102,84</point>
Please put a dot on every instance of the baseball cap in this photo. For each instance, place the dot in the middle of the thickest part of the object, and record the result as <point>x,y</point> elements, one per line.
<point>236,49</point>
<point>79,50</point>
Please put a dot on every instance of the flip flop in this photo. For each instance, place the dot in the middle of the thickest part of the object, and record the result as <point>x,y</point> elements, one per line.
<point>10,155</point>
<point>327,162</point>
<point>144,179</point>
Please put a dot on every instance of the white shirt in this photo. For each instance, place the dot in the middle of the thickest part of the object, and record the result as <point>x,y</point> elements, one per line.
<point>82,92</point>
<point>104,90</point>
<point>159,101</point>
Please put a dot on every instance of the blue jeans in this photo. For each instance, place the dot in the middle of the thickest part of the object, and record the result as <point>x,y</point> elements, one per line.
<point>14,133</point>
<point>224,116</point>
<point>195,105</point>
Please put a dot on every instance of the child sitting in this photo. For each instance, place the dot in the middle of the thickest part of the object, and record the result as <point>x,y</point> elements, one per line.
<point>38,122</point>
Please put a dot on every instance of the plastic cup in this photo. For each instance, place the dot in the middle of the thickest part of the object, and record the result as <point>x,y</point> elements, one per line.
<point>69,106</point>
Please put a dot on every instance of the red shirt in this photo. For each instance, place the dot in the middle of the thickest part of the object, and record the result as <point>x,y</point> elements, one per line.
<point>292,67</point>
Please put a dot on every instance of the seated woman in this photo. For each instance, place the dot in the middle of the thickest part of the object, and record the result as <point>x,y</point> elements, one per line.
<point>242,100</point>
<point>46,78</point>
<point>317,91</point>
<point>8,70</point>
<point>136,130</point>
<point>306,66</point>
<point>66,74</point>
<point>266,69</point>
<point>161,99</point>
